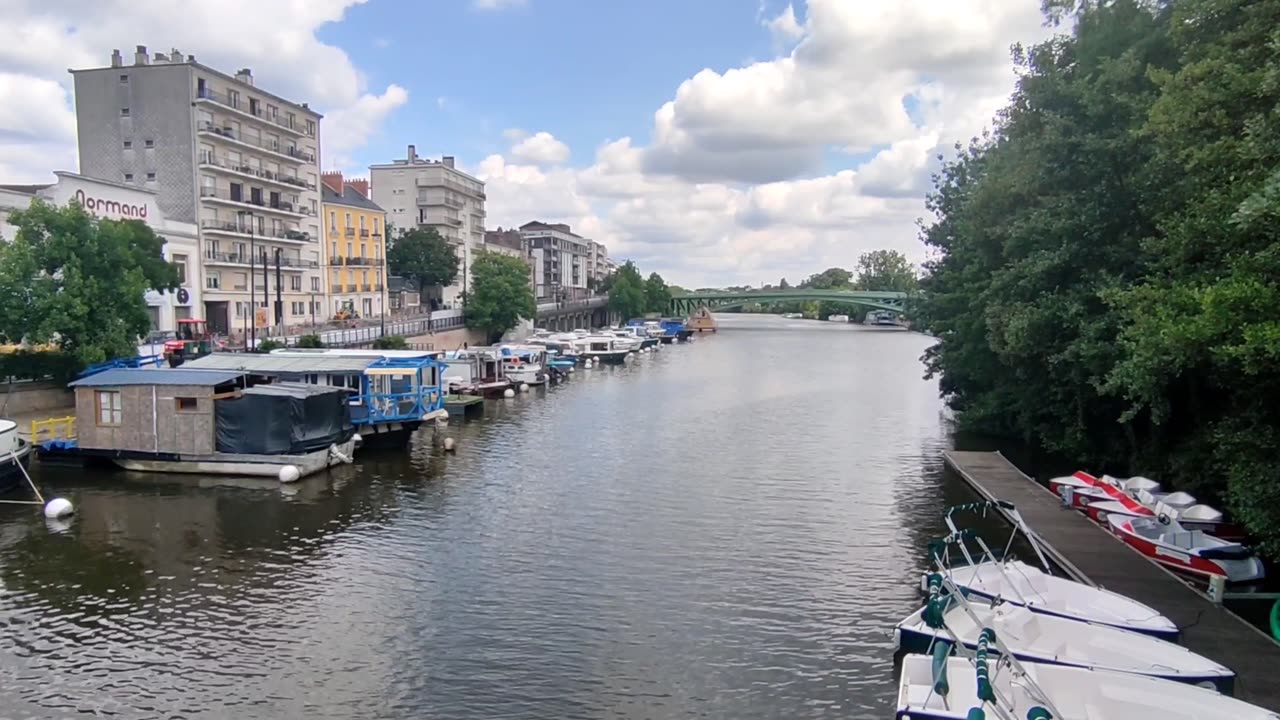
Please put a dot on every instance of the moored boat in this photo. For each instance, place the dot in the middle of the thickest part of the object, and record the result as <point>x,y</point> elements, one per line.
<point>15,456</point>
<point>476,371</point>
<point>525,364</point>
<point>946,688</point>
<point>603,348</point>
<point>1190,551</point>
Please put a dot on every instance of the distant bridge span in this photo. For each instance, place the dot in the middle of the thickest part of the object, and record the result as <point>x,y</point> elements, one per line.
<point>725,300</point>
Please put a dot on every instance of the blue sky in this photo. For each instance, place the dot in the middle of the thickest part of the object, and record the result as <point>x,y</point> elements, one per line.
<point>584,71</point>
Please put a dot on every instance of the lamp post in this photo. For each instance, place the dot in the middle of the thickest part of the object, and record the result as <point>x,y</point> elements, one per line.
<point>252,338</point>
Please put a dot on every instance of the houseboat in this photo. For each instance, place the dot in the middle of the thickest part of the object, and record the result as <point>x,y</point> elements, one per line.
<point>637,333</point>
<point>209,422</point>
<point>391,392</point>
<point>702,321</point>
<point>882,318</point>
<point>675,329</point>
<point>15,456</point>
<point>604,348</point>
<point>838,318</point>
<point>475,371</point>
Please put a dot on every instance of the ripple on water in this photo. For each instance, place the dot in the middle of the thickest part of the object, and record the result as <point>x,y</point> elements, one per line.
<point>726,529</point>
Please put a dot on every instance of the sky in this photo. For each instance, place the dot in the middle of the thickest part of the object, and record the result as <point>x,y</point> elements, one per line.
<point>717,142</point>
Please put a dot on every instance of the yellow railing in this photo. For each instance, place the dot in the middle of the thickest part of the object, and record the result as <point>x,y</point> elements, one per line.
<point>63,428</point>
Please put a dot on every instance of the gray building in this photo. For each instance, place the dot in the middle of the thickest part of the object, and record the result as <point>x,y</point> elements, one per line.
<point>218,151</point>
<point>562,260</point>
<point>417,192</point>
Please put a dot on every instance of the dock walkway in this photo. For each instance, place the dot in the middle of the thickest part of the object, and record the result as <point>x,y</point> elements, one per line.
<point>1094,555</point>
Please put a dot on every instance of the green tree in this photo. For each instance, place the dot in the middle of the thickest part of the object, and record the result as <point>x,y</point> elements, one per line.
<point>657,296</point>
<point>828,279</point>
<point>627,292</point>
<point>422,257</point>
<point>79,282</point>
<point>391,342</point>
<point>886,270</point>
<point>500,294</point>
<point>311,340</point>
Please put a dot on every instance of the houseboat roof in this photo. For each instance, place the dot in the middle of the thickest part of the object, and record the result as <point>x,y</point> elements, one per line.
<point>270,364</point>
<point>119,377</point>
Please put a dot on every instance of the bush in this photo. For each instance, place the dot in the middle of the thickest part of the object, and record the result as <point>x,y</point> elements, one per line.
<point>390,342</point>
<point>268,345</point>
<point>310,341</point>
<point>27,365</point>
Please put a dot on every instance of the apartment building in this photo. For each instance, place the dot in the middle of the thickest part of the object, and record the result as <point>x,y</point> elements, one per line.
<point>118,201</point>
<point>510,242</point>
<point>237,160</point>
<point>599,266</point>
<point>561,260</point>
<point>417,192</point>
<point>356,251</point>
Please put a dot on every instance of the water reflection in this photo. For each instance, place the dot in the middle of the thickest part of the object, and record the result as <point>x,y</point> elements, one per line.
<point>725,529</point>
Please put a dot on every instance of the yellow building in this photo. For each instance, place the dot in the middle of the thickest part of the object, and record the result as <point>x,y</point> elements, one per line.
<point>355,248</point>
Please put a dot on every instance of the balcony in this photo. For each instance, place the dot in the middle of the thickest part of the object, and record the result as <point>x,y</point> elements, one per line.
<point>292,263</point>
<point>208,159</point>
<point>288,153</point>
<point>364,233</point>
<point>283,207</point>
<point>245,230</point>
<point>366,287</point>
<point>364,261</point>
<point>349,232</point>
<point>242,107</point>
<point>336,289</point>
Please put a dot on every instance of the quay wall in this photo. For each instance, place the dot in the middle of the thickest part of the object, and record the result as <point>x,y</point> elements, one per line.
<point>23,398</point>
<point>448,339</point>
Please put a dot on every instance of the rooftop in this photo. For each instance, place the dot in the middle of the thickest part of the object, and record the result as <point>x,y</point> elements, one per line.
<point>270,364</point>
<point>350,197</point>
<point>121,377</point>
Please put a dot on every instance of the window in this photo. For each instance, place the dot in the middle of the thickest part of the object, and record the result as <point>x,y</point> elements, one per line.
<point>124,78</point>
<point>186,404</point>
<point>128,144</point>
<point>149,143</point>
<point>213,282</point>
<point>124,112</point>
<point>315,284</point>
<point>180,264</point>
<point>376,223</point>
<point>298,308</point>
<point>362,218</point>
<point>151,177</point>
<point>348,220</point>
<point>295,282</point>
<point>128,177</point>
<point>333,221</point>
<point>110,407</point>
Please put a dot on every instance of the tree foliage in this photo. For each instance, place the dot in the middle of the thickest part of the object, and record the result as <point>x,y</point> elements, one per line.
<point>310,340</point>
<point>1107,260</point>
<point>627,295</point>
<point>79,282</point>
<point>657,296</point>
<point>500,294</point>
<point>886,270</point>
<point>423,257</point>
<point>391,342</point>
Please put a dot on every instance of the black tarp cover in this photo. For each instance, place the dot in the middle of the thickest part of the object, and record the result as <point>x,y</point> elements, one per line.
<point>283,418</point>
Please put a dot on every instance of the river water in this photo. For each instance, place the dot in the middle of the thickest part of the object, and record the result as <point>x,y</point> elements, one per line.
<point>728,528</point>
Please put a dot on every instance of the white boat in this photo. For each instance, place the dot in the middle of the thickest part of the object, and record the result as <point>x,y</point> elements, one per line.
<point>525,364</point>
<point>1035,637</point>
<point>948,689</point>
<point>603,348</point>
<point>1191,551</point>
<point>838,318</point>
<point>1018,583</point>
<point>15,456</point>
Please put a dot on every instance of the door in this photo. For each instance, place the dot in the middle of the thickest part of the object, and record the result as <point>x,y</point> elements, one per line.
<point>255,196</point>
<point>237,192</point>
<point>216,314</point>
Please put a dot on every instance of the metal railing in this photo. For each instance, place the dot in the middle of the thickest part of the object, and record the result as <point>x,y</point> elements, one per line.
<point>208,158</point>
<point>228,101</point>
<point>349,232</point>
<point>281,206</point>
<point>248,230</point>
<point>243,259</point>
<point>364,233</point>
<point>63,428</point>
<point>292,153</point>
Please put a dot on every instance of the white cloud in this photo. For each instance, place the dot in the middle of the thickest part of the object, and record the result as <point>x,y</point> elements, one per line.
<point>541,148</point>
<point>785,28</point>
<point>276,39</point>
<point>496,4</point>
<point>346,129</point>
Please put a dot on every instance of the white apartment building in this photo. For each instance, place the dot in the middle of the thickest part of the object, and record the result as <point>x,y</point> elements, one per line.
<point>239,161</point>
<point>117,201</point>
<point>416,192</point>
<point>562,260</point>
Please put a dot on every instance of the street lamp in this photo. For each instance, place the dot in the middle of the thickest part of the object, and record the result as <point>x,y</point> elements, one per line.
<point>253,308</point>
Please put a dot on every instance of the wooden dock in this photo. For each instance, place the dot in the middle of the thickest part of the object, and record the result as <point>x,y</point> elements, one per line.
<point>1095,556</point>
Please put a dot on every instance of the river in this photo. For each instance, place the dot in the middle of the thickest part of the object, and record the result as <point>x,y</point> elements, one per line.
<point>728,528</point>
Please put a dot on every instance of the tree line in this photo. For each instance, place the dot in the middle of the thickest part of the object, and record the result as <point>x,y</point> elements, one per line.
<point>878,270</point>
<point>632,296</point>
<point>1106,260</point>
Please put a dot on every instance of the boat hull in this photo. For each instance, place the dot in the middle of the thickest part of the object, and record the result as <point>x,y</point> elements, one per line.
<point>246,465</point>
<point>11,469</point>
<point>613,357</point>
<point>1243,570</point>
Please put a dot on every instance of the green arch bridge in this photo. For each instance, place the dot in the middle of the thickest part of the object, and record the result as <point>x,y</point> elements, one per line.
<point>725,300</point>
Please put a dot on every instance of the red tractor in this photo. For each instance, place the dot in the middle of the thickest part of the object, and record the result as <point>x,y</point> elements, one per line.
<point>192,341</point>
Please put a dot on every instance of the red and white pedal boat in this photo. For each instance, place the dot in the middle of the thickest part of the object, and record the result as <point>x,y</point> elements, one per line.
<point>1085,489</point>
<point>1189,551</point>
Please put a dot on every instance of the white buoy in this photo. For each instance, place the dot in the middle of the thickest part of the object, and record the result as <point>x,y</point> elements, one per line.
<point>448,444</point>
<point>524,387</point>
<point>58,508</point>
<point>289,473</point>
<point>444,415</point>
<point>358,438</point>
<point>571,369</point>
<point>508,393</point>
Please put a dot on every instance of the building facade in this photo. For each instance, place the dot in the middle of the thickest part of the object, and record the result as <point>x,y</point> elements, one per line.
<point>118,201</point>
<point>421,193</point>
<point>561,260</point>
<point>240,162</point>
<point>510,242</point>
<point>355,249</point>
<point>599,266</point>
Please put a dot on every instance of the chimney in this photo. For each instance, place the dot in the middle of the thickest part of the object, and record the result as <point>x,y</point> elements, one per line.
<point>140,55</point>
<point>175,56</point>
<point>161,58</point>
<point>447,160</point>
<point>245,76</point>
<point>332,180</point>
<point>117,60</point>
<point>413,153</point>
<point>360,185</point>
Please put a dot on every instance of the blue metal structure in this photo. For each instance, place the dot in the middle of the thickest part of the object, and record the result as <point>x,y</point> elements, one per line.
<point>398,390</point>
<point>138,361</point>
